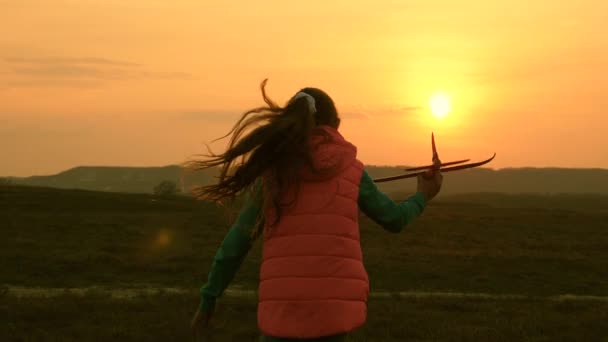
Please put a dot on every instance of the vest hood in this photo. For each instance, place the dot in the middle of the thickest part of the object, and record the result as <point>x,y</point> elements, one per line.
<point>331,154</point>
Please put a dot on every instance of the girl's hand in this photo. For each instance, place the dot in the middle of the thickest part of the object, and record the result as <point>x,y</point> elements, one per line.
<point>199,324</point>
<point>430,184</point>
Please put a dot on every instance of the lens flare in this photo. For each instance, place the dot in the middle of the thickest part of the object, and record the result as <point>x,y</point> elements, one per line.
<point>163,239</point>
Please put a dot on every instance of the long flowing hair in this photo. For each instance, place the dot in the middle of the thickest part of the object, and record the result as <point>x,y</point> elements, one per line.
<point>269,143</point>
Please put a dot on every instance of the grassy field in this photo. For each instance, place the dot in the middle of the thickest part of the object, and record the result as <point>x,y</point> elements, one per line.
<point>529,245</point>
<point>165,318</point>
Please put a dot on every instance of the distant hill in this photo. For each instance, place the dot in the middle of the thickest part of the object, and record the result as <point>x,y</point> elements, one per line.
<point>514,180</point>
<point>119,179</point>
<point>510,180</point>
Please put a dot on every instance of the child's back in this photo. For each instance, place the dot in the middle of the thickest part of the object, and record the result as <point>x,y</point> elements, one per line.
<point>312,279</point>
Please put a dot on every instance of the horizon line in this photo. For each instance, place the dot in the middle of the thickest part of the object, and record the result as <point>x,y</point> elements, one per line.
<point>366,165</point>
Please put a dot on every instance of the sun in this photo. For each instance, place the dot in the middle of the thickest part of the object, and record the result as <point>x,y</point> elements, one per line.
<point>440,105</point>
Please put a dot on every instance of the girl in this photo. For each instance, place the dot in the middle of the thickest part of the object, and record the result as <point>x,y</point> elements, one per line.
<point>305,187</point>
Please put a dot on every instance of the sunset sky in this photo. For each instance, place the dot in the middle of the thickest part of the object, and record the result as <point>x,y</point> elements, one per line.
<point>148,82</point>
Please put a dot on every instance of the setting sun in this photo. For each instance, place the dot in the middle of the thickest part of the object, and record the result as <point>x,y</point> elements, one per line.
<point>440,105</point>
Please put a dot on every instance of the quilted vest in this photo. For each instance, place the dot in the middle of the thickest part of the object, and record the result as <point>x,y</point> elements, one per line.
<point>312,279</point>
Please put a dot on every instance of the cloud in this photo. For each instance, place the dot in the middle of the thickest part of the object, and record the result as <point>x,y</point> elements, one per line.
<point>164,75</point>
<point>71,71</point>
<point>62,60</point>
<point>210,116</point>
<point>396,112</point>
<point>223,116</point>
<point>410,109</point>
<point>367,114</point>
<point>355,115</point>
<point>51,84</point>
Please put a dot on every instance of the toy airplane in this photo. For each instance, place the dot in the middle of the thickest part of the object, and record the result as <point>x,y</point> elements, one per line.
<point>437,165</point>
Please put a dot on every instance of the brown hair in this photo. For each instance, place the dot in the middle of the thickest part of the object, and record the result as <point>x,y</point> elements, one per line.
<point>275,149</point>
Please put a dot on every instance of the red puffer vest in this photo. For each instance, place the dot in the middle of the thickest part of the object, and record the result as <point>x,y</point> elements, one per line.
<point>312,279</point>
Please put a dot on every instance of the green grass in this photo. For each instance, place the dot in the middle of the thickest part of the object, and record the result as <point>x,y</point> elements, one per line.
<point>499,244</point>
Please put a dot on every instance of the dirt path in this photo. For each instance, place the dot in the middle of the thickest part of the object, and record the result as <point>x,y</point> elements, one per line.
<point>131,292</point>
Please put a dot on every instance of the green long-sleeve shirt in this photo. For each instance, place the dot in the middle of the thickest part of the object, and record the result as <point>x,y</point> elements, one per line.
<point>237,243</point>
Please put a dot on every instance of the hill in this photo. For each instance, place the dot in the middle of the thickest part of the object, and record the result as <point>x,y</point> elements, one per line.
<point>118,179</point>
<point>511,180</point>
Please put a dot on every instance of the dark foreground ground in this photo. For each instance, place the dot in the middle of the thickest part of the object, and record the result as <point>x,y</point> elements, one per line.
<point>166,318</point>
<point>526,245</point>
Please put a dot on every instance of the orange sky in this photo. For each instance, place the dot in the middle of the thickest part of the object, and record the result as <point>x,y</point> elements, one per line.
<point>147,82</point>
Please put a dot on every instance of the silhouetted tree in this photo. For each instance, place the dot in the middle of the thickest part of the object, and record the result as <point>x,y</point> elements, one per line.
<point>166,189</point>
